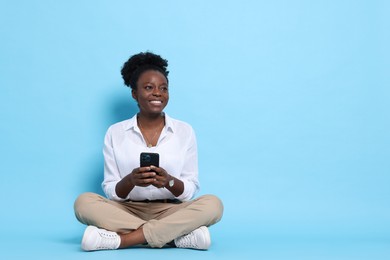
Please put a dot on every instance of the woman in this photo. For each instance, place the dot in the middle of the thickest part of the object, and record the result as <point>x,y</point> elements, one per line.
<point>152,204</point>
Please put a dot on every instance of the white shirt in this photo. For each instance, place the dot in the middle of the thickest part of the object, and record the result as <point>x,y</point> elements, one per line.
<point>176,146</point>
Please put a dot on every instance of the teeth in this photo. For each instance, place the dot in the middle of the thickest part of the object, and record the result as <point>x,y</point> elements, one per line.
<point>156,102</point>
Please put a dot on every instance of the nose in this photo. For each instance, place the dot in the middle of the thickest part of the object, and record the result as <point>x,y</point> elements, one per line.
<point>156,91</point>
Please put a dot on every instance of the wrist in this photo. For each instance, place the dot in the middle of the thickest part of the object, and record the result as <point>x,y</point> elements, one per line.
<point>170,183</point>
<point>128,181</point>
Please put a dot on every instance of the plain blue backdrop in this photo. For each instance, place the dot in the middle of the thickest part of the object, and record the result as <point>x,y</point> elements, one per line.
<point>289,100</point>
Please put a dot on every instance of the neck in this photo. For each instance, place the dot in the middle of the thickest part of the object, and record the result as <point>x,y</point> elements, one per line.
<point>150,121</point>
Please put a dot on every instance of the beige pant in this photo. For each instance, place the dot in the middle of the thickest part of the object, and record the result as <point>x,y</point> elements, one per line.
<point>162,222</point>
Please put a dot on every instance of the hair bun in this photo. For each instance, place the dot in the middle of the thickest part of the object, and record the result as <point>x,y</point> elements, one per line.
<point>141,62</point>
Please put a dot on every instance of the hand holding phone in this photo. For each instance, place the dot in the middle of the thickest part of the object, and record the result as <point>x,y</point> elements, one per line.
<point>145,177</point>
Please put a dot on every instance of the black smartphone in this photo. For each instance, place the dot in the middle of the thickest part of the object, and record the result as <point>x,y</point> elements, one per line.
<point>148,159</point>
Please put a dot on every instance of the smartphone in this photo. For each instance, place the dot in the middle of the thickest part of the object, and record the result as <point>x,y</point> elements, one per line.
<point>148,159</point>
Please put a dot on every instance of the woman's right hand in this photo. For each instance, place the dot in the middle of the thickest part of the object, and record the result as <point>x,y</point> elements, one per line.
<point>142,176</point>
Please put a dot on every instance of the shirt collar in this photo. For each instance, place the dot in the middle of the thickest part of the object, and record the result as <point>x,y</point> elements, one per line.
<point>132,123</point>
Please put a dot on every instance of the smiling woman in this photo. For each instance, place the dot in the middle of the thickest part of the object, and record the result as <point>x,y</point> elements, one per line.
<point>150,204</point>
<point>152,96</point>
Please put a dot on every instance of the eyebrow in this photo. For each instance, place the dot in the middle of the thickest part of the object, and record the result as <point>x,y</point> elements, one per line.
<point>146,83</point>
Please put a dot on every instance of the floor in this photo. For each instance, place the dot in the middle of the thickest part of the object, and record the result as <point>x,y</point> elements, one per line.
<point>226,245</point>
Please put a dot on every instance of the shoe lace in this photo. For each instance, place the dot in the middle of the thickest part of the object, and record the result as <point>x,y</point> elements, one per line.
<point>188,241</point>
<point>108,240</point>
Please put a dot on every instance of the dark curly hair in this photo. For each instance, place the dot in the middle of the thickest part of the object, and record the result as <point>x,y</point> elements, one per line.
<point>139,63</point>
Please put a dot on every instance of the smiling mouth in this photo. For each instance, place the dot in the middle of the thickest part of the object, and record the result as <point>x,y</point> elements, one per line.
<point>156,102</point>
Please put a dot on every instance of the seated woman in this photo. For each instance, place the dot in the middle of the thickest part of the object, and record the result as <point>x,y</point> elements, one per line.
<point>152,204</point>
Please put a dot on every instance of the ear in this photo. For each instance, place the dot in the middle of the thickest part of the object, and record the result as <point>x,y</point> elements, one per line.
<point>134,94</point>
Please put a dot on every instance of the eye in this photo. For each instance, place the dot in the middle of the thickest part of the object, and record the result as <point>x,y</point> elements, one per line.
<point>148,87</point>
<point>164,88</point>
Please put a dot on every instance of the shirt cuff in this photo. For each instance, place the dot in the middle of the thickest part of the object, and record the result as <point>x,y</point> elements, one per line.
<point>189,191</point>
<point>111,193</point>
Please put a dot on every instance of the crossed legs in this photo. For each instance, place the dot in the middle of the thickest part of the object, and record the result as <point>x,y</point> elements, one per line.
<point>153,223</point>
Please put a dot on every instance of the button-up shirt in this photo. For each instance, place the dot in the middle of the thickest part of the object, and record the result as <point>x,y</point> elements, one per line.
<point>176,146</point>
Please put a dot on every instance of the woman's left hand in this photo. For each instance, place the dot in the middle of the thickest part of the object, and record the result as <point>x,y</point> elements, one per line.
<point>162,177</point>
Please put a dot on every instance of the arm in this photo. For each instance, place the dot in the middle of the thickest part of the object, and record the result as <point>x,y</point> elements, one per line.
<point>111,171</point>
<point>189,174</point>
<point>186,185</point>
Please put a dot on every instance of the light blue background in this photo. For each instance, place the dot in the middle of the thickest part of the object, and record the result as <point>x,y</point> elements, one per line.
<point>289,99</point>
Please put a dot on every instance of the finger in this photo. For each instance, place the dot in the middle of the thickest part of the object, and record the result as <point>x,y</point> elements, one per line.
<point>157,184</point>
<point>143,175</point>
<point>160,178</point>
<point>158,170</point>
<point>145,182</point>
<point>149,180</point>
<point>144,169</point>
<point>146,175</point>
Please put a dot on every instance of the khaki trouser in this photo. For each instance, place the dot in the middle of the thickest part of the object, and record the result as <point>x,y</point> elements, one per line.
<point>162,222</point>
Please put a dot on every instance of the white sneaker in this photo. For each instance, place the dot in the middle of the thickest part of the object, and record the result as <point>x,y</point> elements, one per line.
<point>99,239</point>
<point>197,239</point>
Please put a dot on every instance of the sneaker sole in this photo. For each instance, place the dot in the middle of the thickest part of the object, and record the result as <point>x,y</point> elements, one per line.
<point>84,242</point>
<point>206,235</point>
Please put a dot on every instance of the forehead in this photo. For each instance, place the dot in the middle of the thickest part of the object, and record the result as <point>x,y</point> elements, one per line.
<point>154,76</point>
